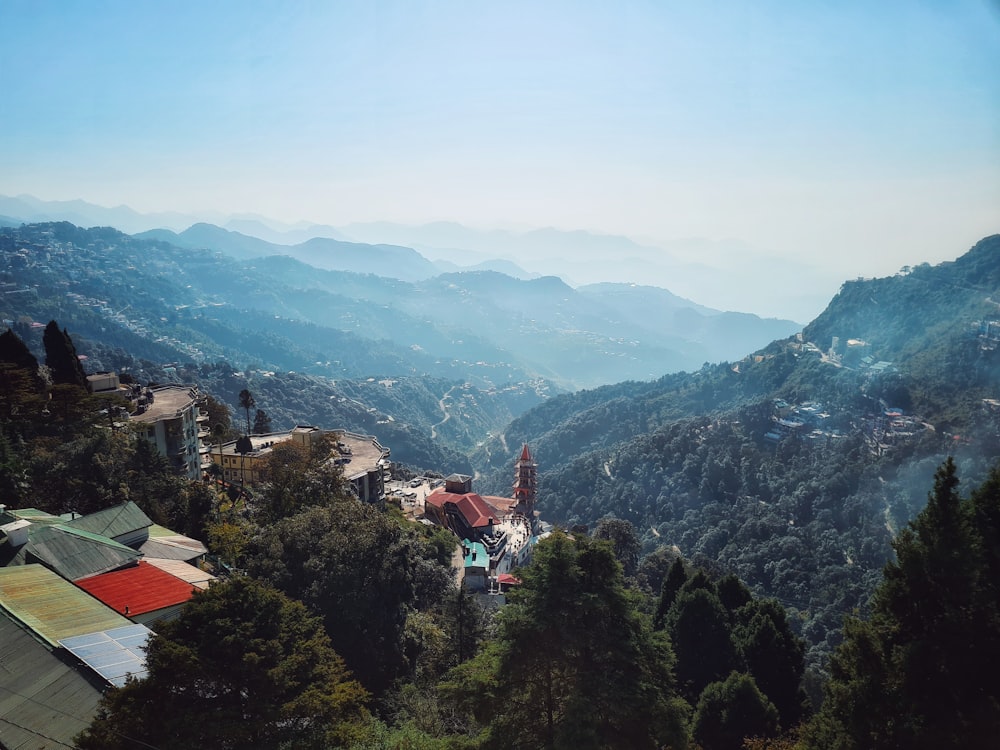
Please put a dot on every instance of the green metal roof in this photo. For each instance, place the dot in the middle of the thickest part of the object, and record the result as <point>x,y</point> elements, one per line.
<point>52,607</point>
<point>112,522</point>
<point>477,551</point>
<point>74,553</point>
<point>29,514</point>
<point>44,702</point>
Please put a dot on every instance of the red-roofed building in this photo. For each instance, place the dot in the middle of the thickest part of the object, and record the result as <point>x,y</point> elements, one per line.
<point>143,592</point>
<point>506,580</point>
<point>468,515</point>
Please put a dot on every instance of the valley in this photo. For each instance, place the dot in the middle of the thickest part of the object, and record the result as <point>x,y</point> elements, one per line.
<point>792,466</point>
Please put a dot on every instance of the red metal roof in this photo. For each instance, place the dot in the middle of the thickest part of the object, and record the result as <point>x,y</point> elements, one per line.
<point>476,511</point>
<point>438,498</point>
<point>525,453</point>
<point>508,580</point>
<point>142,588</point>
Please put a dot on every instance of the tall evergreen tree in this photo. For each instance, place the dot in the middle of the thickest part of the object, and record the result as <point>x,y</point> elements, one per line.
<point>243,667</point>
<point>699,629</point>
<point>574,663</point>
<point>676,577</point>
<point>61,357</point>
<point>773,655</point>
<point>922,672</point>
<point>15,352</point>
<point>261,423</point>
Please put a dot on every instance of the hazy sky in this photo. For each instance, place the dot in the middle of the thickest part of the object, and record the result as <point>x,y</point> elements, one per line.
<point>857,135</point>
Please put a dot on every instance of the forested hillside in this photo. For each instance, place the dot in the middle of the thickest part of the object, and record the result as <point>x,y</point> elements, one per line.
<point>771,497</point>
<point>793,467</point>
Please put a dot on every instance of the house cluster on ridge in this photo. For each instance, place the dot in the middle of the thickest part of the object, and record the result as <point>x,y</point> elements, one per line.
<point>78,598</point>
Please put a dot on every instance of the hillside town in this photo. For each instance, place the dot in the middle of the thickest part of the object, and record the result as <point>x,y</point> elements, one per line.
<point>80,595</point>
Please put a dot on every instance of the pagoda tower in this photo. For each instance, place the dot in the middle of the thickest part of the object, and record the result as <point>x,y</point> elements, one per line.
<point>526,484</point>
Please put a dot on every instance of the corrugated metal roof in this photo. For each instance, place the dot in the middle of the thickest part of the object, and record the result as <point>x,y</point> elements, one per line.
<point>476,556</point>
<point>164,543</point>
<point>113,522</point>
<point>52,607</point>
<point>44,701</point>
<point>142,588</point>
<point>30,514</point>
<point>180,569</point>
<point>74,553</point>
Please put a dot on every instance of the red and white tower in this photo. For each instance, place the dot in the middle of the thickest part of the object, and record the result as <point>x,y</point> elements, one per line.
<point>526,484</point>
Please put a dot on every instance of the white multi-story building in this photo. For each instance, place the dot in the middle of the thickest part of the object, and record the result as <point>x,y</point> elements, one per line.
<point>169,417</point>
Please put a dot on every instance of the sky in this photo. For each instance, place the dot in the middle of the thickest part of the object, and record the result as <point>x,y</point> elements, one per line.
<point>855,137</point>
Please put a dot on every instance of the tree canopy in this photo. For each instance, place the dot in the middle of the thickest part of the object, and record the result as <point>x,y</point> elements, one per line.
<point>243,667</point>
<point>574,664</point>
<point>61,357</point>
<point>921,672</point>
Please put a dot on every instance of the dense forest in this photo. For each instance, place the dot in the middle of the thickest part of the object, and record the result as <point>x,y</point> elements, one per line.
<point>693,460</point>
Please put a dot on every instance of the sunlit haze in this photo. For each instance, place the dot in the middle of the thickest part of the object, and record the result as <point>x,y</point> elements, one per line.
<point>846,138</point>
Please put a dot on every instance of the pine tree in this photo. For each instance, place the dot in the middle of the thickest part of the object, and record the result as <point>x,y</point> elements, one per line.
<point>731,711</point>
<point>676,577</point>
<point>700,632</point>
<point>921,672</point>
<point>773,655</point>
<point>261,423</point>
<point>14,351</point>
<point>574,663</point>
<point>61,357</point>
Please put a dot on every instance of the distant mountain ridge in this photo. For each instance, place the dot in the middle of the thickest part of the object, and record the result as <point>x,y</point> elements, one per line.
<point>727,274</point>
<point>481,321</point>
<point>321,252</point>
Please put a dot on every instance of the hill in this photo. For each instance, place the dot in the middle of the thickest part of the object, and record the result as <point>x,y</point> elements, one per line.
<point>795,466</point>
<point>283,314</point>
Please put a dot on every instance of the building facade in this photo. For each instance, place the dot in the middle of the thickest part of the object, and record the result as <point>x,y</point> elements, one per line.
<point>170,418</point>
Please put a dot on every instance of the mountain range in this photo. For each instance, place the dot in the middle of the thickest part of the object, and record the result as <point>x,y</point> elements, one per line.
<point>578,337</point>
<point>726,274</point>
<point>797,465</point>
<point>793,462</point>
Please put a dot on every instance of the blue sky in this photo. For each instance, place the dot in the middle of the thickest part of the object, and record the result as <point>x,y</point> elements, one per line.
<point>856,136</point>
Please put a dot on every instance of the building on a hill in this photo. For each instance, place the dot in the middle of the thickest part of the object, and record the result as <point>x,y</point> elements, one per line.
<point>362,458</point>
<point>170,418</point>
<point>503,526</point>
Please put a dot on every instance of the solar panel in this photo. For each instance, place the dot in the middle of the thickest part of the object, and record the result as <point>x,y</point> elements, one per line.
<point>114,654</point>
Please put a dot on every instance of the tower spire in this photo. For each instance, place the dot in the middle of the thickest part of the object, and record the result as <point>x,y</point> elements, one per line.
<point>525,484</point>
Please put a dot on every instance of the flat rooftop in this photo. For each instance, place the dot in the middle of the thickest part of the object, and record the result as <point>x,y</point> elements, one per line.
<point>168,401</point>
<point>365,454</point>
